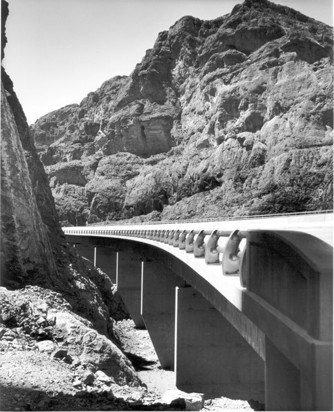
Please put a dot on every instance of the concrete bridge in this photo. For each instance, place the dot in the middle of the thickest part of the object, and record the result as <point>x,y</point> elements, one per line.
<point>241,309</point>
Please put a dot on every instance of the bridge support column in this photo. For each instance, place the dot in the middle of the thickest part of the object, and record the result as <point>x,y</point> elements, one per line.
<point>289,389</point>
<point>158,308</point>
<point>105,259</point>
<point>282,381</point>
<point>211,356</point>
<point>101,256</point>
<point>85,250</point>
<point>128,273</point>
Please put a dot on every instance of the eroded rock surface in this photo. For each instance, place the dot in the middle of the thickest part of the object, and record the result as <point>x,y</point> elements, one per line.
<point>33,246</point>
<point>225,117</point>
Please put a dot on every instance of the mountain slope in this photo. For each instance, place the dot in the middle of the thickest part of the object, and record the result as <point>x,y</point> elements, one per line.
<point>225,117</point>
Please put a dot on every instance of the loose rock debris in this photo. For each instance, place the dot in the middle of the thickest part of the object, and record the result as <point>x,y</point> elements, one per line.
<point>51,359</point>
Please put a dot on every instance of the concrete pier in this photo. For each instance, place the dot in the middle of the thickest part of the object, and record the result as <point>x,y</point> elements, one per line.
<point>282,381</point>
<point>128,274</point>
<point>105,259</point>
<point>158,308</point>
<point>85,250</point>
<point>211,356</point>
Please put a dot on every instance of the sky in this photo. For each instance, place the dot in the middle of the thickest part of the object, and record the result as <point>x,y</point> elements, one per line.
<point>60,50</point>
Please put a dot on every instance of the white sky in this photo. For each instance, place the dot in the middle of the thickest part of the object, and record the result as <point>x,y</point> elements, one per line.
<point>60,50</point>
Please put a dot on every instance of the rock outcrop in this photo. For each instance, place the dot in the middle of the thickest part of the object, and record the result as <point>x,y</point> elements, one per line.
<point>42,320</point>
<point>227,117</point>
<point>33,246</point>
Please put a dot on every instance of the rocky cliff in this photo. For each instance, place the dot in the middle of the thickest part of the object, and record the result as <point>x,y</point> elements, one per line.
<point>33,247</point>
<point>227,117</point>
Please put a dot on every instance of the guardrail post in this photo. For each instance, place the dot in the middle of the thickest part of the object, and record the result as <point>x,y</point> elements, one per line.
<point>171,237</point>
<point>166,236</point>
<point>176,238</point>
<point>190,242</point>
<point>182,240</point>
<point>232,255</point>
<point>199,245</point>
<point>211,248</point>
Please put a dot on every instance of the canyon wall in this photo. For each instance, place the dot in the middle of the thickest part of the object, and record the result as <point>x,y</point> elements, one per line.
<point>227,117</point>
<point>33,246</point>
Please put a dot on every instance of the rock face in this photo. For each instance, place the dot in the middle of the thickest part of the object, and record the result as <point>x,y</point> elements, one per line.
<point>33,247</point>
<point>41,319</point>
<point>225,117</point>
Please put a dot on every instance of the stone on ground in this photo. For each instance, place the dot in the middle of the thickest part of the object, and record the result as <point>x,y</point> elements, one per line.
<point>192,401</point>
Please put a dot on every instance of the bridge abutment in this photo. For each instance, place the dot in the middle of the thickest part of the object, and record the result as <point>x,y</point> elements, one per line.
<point>211,356</point>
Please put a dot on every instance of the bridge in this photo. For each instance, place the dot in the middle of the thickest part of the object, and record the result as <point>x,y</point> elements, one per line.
<point>237,308</point>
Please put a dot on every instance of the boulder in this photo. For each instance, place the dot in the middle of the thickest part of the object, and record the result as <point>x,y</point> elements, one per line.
<point>102,377</point>
<point>95,350</point>
<point>190,401</point>
<point>46,346</point>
